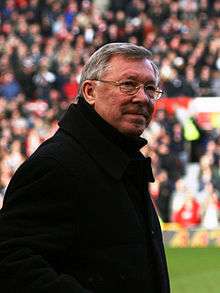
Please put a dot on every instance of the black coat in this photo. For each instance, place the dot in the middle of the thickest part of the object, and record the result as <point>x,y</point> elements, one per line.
<point>73,221</point>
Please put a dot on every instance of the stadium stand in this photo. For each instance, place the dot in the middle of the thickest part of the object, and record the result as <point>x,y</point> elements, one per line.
<point>43,46</point>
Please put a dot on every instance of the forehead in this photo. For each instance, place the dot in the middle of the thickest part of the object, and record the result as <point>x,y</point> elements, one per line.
<point>122,67</point>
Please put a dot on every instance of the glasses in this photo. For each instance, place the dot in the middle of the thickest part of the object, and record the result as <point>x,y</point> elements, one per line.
<point>131,87</point>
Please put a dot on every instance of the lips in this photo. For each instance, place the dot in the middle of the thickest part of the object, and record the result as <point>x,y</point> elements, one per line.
<point>138,113</point>
<point>137,110</point>
<point>137,119</point>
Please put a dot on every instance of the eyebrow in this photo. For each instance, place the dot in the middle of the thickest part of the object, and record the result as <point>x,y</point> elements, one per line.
<point>134,77</point>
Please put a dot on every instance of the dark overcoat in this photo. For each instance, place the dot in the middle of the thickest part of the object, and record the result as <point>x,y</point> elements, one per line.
<point>70,223</point>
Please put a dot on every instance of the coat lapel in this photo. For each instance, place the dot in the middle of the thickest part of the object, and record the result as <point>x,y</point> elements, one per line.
<point>103,151</point>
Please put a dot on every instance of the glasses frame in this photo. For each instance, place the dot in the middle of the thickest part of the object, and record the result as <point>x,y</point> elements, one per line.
<point>158,92</point>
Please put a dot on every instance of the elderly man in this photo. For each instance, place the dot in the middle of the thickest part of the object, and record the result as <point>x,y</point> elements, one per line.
<point>77,216</point>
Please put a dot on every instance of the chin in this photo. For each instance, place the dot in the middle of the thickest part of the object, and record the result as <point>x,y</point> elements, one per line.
<point>132,131</point>
<point>132,127</point>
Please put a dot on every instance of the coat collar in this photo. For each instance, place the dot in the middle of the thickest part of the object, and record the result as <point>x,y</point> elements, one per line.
<point>109,156</point>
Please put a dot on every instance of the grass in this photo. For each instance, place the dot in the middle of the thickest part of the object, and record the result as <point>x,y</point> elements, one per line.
<point>194,270</point>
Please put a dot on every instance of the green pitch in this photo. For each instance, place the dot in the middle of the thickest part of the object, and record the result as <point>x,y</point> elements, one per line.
<point>194,270</point>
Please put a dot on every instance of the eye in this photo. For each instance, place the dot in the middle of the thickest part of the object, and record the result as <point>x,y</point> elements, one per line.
<point>129,83</point>
<point>150,88</point>
<point>128,86</point>
<point>150,91</point>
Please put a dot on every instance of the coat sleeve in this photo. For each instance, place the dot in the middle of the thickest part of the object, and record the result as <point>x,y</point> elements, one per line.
<point>37,230</point>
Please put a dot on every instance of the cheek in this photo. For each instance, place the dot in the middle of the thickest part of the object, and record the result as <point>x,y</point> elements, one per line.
<point>110,105</point>
<point>109,110</point>
<point>113,112</point>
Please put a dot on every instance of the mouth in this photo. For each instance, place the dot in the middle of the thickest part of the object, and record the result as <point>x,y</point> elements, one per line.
<point>138,114</point>
<point>137,119</point>
<point>137,110</point>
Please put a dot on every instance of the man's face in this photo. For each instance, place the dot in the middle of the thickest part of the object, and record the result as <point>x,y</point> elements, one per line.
<point>129,114</point>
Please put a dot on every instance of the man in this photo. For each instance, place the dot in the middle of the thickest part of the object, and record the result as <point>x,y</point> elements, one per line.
<point>77,216</point>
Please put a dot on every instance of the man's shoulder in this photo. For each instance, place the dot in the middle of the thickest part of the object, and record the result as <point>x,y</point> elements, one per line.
<point>59,146</point>
<point>54,157</point>
<point>60,150</point>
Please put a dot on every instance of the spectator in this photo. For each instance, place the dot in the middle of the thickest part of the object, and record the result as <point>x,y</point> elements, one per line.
<point>178,146</point>
<point>189,215</point>
<point>43,80</point>
<point>164,196</point>
<point>190,84</point>
<point>16,157</point>
<point>178,198</point>
<point>174,171</point>
<point>210,208</point>
<point>70,88</point>
<point>9,87</point>
<point>205,83</point>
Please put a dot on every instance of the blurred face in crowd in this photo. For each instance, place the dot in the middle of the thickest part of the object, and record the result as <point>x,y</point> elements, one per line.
<point>129,113</point>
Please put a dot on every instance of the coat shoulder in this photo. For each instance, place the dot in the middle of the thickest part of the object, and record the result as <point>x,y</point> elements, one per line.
<point>61,149</point>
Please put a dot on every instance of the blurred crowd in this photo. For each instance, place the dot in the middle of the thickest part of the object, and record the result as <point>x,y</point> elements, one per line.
<point>44,43</point>
<point>43,47</point>
<point>186,190</point>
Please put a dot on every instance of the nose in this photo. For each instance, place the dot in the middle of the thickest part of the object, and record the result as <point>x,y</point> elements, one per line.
<point>142,99</point>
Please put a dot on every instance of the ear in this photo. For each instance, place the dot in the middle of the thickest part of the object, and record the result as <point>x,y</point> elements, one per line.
<point>88,91</point>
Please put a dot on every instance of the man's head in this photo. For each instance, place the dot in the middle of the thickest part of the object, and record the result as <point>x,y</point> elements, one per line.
<point>120,82</point>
